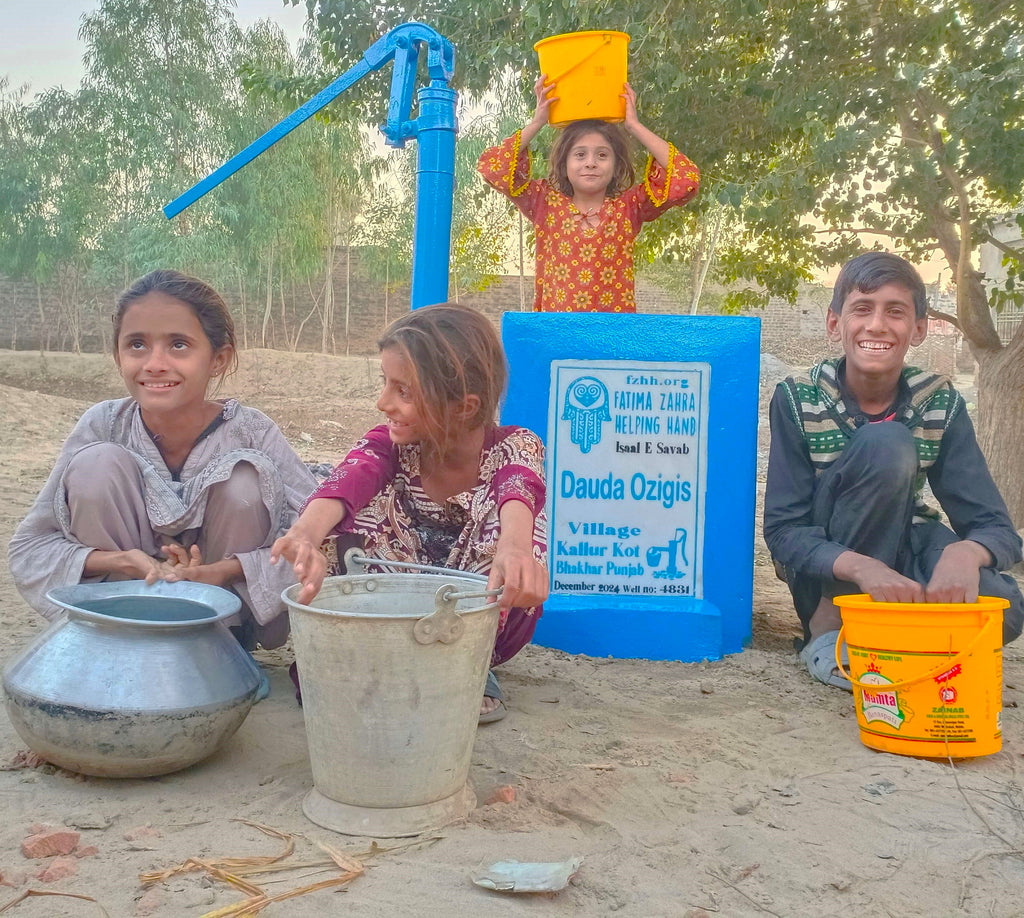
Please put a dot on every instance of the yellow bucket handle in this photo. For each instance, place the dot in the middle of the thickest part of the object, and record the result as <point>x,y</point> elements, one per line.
<point>948,663</point>
<point>554,79</point>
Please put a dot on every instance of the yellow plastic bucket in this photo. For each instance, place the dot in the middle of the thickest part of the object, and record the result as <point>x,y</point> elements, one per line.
<point>587,70</point>
<point>927,677</point>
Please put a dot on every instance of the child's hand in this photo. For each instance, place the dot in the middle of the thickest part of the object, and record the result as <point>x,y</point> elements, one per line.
<point>957,573</point>
<point>307,560</point>
<point>525,581</point>
<point>542,90</point>
<point>180,561</point>
<point>137,565</point>
<point>886,585</point>
<point>631,122</point>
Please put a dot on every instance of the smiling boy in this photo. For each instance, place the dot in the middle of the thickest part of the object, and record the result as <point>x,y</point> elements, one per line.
<point>852,444</point>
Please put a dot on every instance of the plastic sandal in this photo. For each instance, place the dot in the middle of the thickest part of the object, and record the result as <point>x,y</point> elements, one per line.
<point>493,690</point>
<point>819,656</point>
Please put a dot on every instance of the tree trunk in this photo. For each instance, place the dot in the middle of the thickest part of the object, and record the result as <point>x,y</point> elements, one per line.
<point>270,299</point>
<point>348,295</point>
<point>245,322</point>
<point>522,267</point>
<point>326,332</point>
<point>284,313</point>
<point>1001,419</point>
<point>43,345</point>
<point>705,259</point>
<point>74,307</point>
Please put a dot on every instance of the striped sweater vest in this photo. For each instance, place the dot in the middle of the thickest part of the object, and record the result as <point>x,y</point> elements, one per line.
<point>817,406</point>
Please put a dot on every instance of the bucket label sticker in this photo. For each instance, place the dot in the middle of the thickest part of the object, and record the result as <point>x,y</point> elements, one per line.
<point>949,724</point>
<point>881,705</point>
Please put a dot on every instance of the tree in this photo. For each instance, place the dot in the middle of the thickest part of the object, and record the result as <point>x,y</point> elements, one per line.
<point>275,206</point>
<point>49,200</point>
<point>387,230</point>
<point>914,113</point>
<point>481,220</point>
<point>827,126</point>
<point>157,75</point>
<point>329,157</point>
<point>172,88</point>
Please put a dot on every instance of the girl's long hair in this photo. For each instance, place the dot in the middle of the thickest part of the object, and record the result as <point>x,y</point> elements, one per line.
<point>623,176</point>
<point>453,352</point>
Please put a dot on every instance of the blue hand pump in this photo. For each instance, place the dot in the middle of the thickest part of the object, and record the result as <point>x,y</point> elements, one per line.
<point>435,128</point>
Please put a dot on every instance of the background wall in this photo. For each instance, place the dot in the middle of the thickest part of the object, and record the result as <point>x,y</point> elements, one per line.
<point>32,317</point>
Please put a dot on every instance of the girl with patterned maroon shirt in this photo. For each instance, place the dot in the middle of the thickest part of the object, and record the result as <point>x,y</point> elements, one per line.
<point>440,483</point>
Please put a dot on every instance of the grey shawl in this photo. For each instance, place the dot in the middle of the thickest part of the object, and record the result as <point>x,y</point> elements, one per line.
<point>43,554</point>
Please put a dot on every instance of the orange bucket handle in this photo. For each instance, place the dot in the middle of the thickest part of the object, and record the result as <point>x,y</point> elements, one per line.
<point>554,79</point>
<point>931,674</point>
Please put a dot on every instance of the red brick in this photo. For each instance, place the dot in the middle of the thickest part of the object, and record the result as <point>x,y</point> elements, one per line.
<point>50,843</point>
<point>86,851</point>
<point>504,794</point>
<point>58,869</point>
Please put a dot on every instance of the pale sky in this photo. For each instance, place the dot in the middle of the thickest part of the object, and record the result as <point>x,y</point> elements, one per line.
<point>39,38</point>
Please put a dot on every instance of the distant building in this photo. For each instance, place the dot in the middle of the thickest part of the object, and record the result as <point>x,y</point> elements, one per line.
<point>1008,231</point>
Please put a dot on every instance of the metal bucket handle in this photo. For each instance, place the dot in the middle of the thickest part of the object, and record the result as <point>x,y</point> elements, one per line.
<point>444,624</point>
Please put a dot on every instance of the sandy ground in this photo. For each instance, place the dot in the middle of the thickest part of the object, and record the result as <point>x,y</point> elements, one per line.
<point>737,787</point>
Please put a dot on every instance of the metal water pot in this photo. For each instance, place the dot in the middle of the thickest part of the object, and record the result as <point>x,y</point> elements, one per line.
<point>137,680</point>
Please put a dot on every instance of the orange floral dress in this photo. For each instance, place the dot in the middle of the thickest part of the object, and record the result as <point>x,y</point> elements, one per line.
<point>583,268</point>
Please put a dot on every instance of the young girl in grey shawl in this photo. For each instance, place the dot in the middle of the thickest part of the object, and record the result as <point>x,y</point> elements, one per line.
<point>168,484</point>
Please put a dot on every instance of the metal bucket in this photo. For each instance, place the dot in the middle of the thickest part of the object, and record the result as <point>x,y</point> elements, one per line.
<point>393,668</point>
<point>137,680</point>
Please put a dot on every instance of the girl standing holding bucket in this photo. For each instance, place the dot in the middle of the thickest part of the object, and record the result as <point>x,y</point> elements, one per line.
<point>208,484</point>
<point>587,213</point>
<point>440,483</point>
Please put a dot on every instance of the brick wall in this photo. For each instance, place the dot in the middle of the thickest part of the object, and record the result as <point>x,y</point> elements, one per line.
<point>30,318</point>
<point>33,317</point>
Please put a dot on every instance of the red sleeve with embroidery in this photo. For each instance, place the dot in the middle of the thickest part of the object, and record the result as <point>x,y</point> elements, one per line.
<point>363,473</point>
<point>506,168</point>
<point>663,188</point>
<point>520,474</point>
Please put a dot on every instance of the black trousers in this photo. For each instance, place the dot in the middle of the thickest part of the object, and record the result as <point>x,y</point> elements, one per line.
<point>865,501</point>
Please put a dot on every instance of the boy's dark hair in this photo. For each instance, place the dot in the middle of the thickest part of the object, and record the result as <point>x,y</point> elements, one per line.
<point>623,175</point>
<point>206,303</point>
<point>872,270</point>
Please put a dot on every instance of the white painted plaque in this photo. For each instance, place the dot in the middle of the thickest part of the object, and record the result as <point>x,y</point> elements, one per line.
<point>627,456</point>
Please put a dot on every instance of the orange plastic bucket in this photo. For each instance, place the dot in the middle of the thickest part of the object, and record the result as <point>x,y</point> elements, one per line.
<point>927,677</point>
<point>587,70</point>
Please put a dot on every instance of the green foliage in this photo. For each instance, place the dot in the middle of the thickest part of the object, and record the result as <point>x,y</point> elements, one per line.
<point>902,118</point>
<point>1010,295</point>
<point>821,127</point>
<point>163,102</point>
